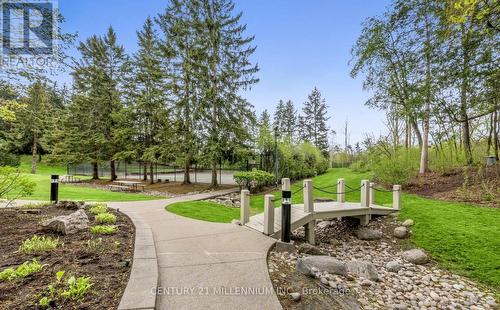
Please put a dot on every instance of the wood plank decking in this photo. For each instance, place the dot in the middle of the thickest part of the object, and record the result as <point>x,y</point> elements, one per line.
<point>322,210</point>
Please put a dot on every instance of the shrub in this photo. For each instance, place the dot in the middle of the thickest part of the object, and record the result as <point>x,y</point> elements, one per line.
<point>13,184</point>
<point>38,244</point>
<point>38,205</point>
<point>24,270</point>
<point>103,229</point>
<point>254,180</point>
<point>98,209</point>
<point>105,218</point>
<point>94,245</point>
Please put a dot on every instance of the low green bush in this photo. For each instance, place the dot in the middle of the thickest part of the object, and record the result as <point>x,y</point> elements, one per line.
<point>74,288</point>
<point>24,270</point>
<point>38,244</point>
<point>103,229</point>
<point>77,288</point>
<point>105,218</point>
<point>253,180</point>
<point>38,205</point>
<point>98,209</point>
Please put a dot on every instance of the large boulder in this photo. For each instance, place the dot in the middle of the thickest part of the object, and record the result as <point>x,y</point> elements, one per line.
<point>329,264</point>
<point>416,256</point>
<point>368,234</point>
<point>68,224</point>
<point>363,269</point>
<point>310,249</point>
<point>401,232</point>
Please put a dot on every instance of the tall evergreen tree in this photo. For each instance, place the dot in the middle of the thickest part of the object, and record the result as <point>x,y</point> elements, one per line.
<point>312,121</point>
<point>147,92</point>
<point>228,70</point>
<point>285,119</point>
<point>265,141</point>
<point>93,125</point>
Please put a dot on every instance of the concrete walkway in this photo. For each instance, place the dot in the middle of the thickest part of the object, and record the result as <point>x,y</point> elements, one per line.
<point>205,265</point>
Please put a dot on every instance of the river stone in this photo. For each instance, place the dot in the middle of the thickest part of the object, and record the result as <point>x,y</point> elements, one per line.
<point>416,256</point>
<point>393,266</point>
<point>323,263</point>
<point>368,234</point>
<point>307,248</point>
<point>363,269</point>
<point>68,224</point>
<point>408,223</point>
<point>401,232</point>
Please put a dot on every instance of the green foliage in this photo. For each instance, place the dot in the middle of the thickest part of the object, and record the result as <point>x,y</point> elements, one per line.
<point>13,184</point>
<point>254,180</point>
<point>77,287</point>
<point>94,245</point>
<point>38,205</point>
<point>301,161</point>
<point>73,288</point>
<point>38,244</point>
<point>99,208</point>
<point>24,270</point>
<point>103,229</point>
<point>105,218</point>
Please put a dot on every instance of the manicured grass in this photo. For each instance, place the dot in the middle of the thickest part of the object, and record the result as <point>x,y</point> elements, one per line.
<point>205,211</point>
<point>68,191</point>
<point>463,238</point>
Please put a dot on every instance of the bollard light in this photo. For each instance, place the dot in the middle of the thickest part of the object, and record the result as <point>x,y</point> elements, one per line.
<point>286,216</point>
<point>54,188</point>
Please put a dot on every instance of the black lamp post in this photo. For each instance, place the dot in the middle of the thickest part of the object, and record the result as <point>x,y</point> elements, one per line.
<point>54,188</point>
<point>286,216</point>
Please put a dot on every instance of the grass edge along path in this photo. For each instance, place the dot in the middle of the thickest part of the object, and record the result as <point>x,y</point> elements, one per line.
<point>463,238</point>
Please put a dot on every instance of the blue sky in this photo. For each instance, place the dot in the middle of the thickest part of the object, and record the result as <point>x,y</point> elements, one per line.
<point>300,44</point>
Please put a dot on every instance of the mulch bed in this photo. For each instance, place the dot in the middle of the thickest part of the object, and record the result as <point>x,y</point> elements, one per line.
<point>108,267</point>
<point>477,186</point>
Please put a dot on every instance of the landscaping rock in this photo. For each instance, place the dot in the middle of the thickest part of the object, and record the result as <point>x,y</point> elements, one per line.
<point>329,264</point>
<point>408,223</point>
<point>307,248</point>
<point>323,224</point>
<point>363,269</point>
<point>393,266</point>
<point>368,234</point>
<point>70,205</point>
<point>68,224</point>
<point>295,296</point>
<point>416,256</point>
<point>401,232</point>
<point>284,246</point>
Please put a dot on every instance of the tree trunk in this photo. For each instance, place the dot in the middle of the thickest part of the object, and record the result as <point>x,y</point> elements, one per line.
<point>495,134</point>
<point>463,99</point>
<point>145,171</point>
<point>187,175</point>
<point>414,125</point>
<point>424,153</point>
<point>214,174</point>
<point>113,170</point>
<point>34,152</point>
<point>151,174</point>
<point>95,171</point>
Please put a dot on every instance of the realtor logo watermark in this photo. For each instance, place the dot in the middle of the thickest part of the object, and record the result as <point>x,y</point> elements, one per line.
<point>28,32</point>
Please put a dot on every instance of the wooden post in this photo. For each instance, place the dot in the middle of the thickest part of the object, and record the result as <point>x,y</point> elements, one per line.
<point>340,190</point>
<point>372,194</point>
<point>269,214</point>
<point>285,184</point>
<point>365,184</point>
<point>245,206</point>
<point>396,197</point>
<point>308,196</point>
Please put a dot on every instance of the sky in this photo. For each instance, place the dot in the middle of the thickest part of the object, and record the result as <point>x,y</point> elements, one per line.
<point>301,44</point>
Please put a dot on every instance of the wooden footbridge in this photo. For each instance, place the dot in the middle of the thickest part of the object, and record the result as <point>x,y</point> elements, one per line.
<point>307,213</point>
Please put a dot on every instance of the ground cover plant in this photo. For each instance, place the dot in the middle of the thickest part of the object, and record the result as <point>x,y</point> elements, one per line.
<point>105,218</point>
<point>38,244</point>
<point>103,229</point>
<point>25,269</point>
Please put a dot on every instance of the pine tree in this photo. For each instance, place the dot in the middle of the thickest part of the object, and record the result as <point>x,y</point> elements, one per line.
<point>312,122</point>
<point>93,125</point>
<point>285,119</point>
<point>265,141</point>
<point>228,70</point>
<point>148,97</point>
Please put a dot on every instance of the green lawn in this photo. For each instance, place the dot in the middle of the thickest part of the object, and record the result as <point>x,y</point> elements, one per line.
<point>205,211</point>
<point>68,191</point>
<point>463,238</point>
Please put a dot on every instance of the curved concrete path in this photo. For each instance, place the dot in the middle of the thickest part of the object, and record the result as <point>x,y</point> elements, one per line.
<point>205,265</point>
